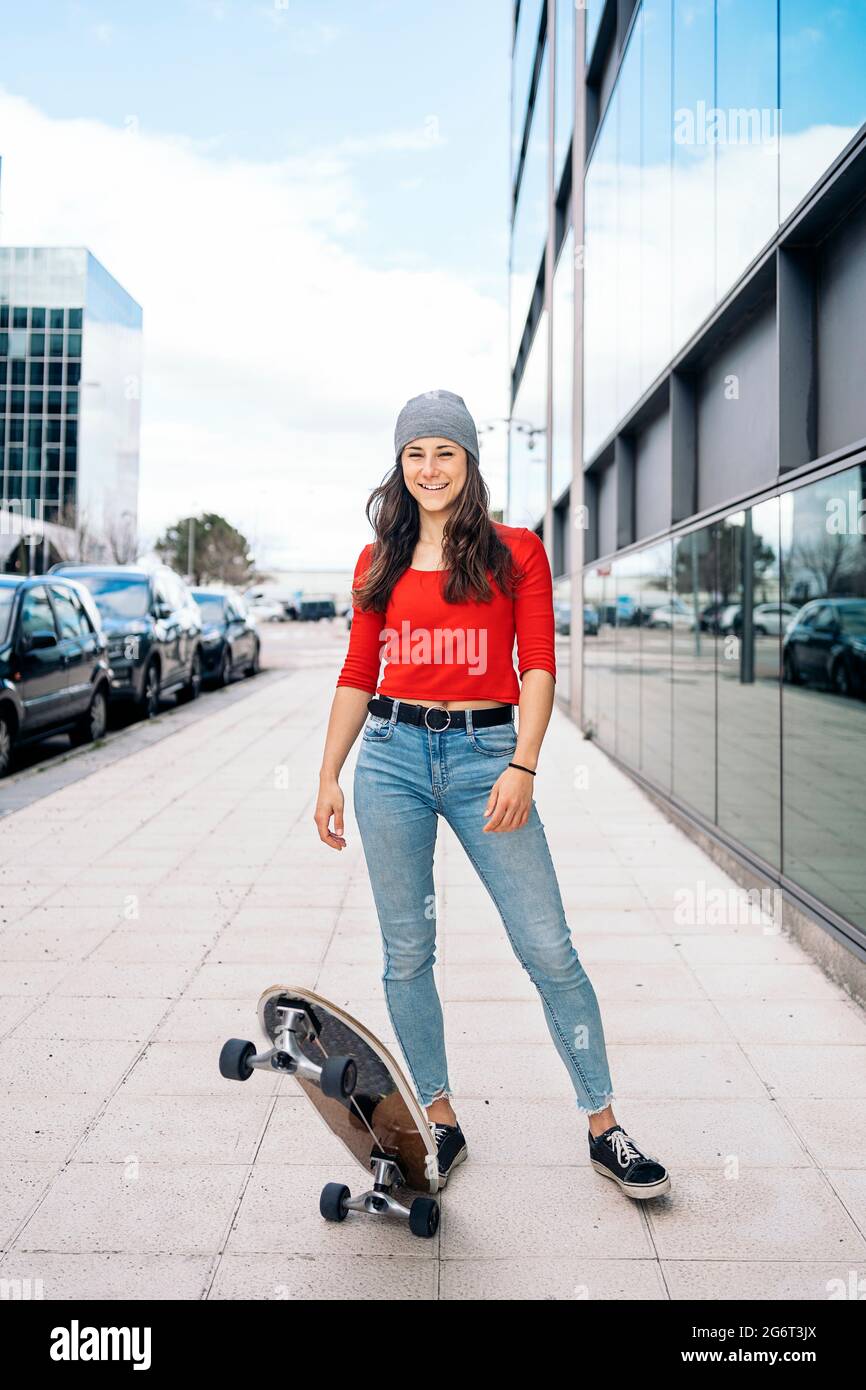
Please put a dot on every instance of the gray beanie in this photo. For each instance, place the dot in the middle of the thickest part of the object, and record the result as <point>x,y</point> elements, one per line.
<point>436,413</point>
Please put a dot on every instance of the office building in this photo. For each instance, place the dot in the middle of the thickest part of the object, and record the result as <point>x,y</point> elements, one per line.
<point>687,300</point>
<point>70,390</point>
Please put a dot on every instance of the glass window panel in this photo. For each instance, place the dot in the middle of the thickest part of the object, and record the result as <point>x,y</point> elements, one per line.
<point>74,318</point>
<point>599,654</point>
<point>593,17</point>
<point>747,152</point>
<point>748,619</point>
<point>823,708</point>
<point>563,367</point>
<point>627,585</point>
<point>629,225</point>
<point>19,373</point>
<point>73,373</point>
<point>693,166</point>
<point>56,318</point>
<point>694,670</point>
<point>36,373</point>
<point>530,219</point>
<point>527,471</point>
<point>55,373</point>
<point>600,286</point>
<point>655,238</point>
<point>19,317</point>
<point>55,344</point>
<point>36,613</point>
<point>823,96</point>
<point>73,344</point>
<point>37,344</point>
<point>68,611</point>
<point>37,318</point>
<point>564,87</point>
<point>523,61</point>
<point>656,657</point>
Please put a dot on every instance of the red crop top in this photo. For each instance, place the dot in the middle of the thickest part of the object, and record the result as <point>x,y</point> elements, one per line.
<point>434,650</point>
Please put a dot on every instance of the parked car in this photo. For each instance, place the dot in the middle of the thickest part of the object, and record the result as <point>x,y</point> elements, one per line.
<point>311,610</point>
<point>54,671</point>
<point>710,616</point>
<point>230,643</point>
<point>562,616</point>
<point>153,627</point>
<point>674,613</point>
<point>768,619</point>
<point>590,621</point>
<point>267,610</point>
<point>825,644</point>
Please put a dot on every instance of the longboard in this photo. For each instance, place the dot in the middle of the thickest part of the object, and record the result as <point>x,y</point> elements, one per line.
<point>358,1089</point>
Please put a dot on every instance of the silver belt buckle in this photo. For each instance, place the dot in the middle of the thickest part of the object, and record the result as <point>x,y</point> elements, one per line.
<point>438,711</point>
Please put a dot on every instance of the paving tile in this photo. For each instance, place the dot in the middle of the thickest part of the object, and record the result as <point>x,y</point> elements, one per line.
<point>145,1209</point>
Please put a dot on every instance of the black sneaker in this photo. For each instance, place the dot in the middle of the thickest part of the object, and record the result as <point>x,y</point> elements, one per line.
<point>617,1156</point>
<point>451,1148</point>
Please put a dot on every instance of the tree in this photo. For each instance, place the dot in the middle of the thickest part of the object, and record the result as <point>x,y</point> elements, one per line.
<point>121,537</point>
<point>220,553</point>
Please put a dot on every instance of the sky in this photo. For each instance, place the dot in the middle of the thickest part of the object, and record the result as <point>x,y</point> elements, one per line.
<point>309,201</point>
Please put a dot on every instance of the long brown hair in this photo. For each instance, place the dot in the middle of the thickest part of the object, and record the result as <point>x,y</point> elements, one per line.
<point>471,545</point>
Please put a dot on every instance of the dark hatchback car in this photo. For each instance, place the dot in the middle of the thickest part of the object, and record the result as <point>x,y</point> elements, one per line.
<point>825,645</point>
<point>153,628</point>
<point>230,642</point>
<point>54,671</point>
<point>312,610</point>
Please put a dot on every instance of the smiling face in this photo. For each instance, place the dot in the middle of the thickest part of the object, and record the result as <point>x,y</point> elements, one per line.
<point>434,471</point>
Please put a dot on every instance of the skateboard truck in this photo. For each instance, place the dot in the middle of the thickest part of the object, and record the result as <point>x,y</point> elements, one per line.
<point>337,1076</point>
<point>337,1201</point>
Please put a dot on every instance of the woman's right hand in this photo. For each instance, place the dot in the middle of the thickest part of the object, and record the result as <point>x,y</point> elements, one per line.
<point>329,803</point>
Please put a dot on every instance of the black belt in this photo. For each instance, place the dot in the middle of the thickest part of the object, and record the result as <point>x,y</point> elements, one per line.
<point>383,705</point>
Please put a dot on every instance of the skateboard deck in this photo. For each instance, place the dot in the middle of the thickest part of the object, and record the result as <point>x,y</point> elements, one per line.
<point>382,1115</point>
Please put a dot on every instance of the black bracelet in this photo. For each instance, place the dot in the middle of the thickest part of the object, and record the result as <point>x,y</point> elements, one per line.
<point>522,768</point>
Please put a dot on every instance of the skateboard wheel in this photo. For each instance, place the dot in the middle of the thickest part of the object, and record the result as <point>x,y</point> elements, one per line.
<point>339,1077</point>
<point>234,1059</point>
<point>424,1217</point>
<point>332,1203</point>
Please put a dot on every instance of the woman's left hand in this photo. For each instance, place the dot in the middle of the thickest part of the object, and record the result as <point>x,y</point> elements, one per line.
<point>510,800</point>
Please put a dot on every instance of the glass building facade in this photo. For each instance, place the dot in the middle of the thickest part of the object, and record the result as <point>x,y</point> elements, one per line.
<point>686,355</point>
<point>70,377</point>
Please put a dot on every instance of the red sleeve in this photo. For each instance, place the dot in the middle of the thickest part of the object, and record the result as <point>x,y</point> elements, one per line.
<point>533,608</point>
<point>363,659</point>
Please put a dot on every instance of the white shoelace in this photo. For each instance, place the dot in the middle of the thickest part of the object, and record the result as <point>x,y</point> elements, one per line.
<point>623,1147</point>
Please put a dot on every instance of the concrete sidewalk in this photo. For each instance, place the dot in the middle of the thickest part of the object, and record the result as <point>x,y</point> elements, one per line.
<point>146,906</point>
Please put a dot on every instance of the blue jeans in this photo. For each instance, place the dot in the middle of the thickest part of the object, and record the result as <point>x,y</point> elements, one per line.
<point>406,776</point>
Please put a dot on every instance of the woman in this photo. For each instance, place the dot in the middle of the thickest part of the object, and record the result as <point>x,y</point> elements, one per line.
<point>447,590</point>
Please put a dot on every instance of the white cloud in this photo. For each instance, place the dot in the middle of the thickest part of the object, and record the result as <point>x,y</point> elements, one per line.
<point>275,359</point>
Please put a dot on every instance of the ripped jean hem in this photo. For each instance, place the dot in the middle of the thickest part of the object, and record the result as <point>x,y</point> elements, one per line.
<point>442,1094</point>
<point>596,1110</point>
